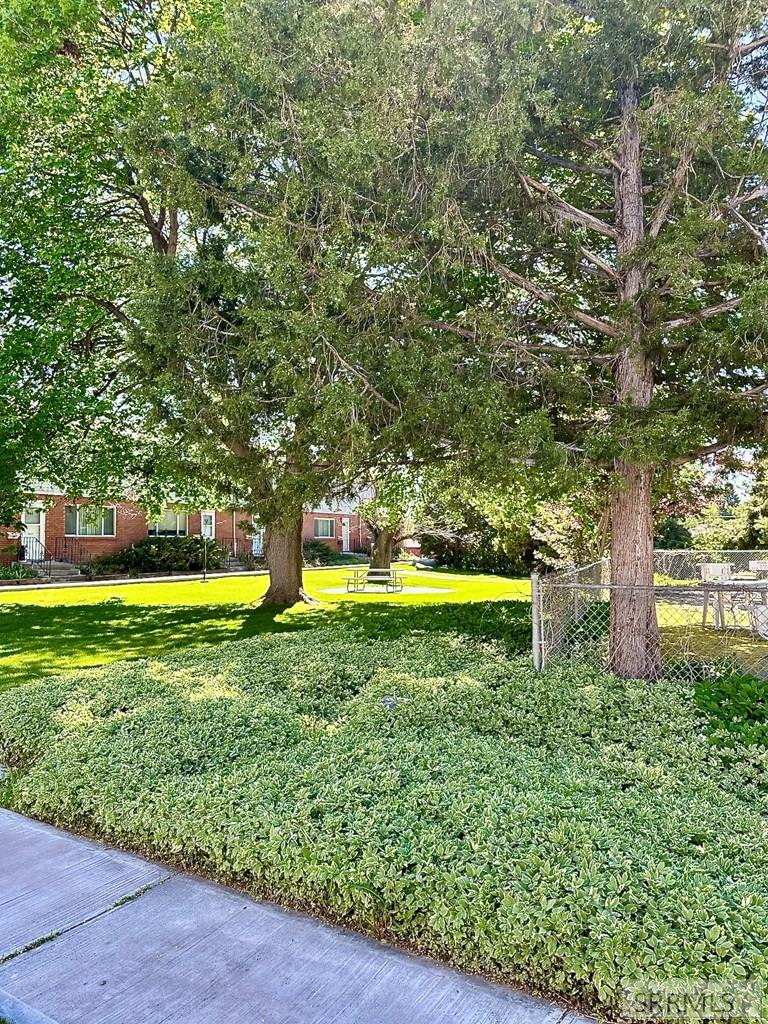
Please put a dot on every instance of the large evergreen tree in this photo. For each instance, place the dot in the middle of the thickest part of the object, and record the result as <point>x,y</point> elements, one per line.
<point>592,177</point>
<point>345,207</point>
<point>256,298</point>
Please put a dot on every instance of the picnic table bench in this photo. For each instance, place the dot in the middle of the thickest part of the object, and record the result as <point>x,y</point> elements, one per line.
<point>390,579</point>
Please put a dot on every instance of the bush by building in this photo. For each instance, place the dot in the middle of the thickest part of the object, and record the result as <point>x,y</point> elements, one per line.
<point>162,554</point>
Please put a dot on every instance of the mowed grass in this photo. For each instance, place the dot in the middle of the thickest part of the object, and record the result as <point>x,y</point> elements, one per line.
<point>47,631</point>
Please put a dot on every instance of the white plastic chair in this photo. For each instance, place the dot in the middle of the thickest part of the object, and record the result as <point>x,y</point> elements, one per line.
<point>715,572</point>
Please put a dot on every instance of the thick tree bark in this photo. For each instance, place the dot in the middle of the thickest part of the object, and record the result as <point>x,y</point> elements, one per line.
<point>634,643</point>
<point>381,552</point>
<point>284,555</point>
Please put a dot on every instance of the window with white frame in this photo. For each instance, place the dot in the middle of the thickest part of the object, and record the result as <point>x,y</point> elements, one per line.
<point>171,524</point>
<point>89,521</point>
<point>325,528</point>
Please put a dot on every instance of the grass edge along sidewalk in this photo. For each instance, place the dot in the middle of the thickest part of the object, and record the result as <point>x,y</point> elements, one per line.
<point>112,936</point>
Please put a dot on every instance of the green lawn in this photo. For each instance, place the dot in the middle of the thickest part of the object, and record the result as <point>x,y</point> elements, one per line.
<point>43,632</point>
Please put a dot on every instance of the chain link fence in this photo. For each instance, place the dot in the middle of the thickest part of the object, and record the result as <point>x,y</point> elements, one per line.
<point>711,608</point>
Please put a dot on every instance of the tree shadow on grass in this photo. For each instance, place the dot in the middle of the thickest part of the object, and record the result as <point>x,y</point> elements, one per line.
<point>505,621</point>
<point>39,640</point>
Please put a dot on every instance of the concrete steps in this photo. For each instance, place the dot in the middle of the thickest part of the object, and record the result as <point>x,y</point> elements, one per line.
<point>55,570</point>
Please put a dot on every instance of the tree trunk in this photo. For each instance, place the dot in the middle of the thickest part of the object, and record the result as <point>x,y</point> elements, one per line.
<point>381,552</point>
<point>284,555</point>
<point>634,642</point>
<point>634,646</point>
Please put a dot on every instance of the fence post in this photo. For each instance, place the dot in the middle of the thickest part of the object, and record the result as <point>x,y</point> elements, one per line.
<point>536,620</point>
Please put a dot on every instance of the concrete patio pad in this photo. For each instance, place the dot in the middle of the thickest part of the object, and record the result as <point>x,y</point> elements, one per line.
<point>186,951</point>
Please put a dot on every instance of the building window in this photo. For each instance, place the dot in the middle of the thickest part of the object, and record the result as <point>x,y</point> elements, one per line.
<point>172,524</point>
<point>89,521</point>
<point>324,528</point>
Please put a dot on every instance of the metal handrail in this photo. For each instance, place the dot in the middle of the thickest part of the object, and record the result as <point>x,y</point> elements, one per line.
<point>68,549</point>
<point>32,550</point>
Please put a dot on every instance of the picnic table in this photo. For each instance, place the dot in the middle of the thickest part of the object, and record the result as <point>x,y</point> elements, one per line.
<point>390,579</point>
<point>738,591</point>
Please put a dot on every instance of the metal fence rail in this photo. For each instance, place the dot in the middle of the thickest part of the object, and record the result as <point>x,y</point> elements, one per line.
<point>685,564</point>
<point>710,624</point>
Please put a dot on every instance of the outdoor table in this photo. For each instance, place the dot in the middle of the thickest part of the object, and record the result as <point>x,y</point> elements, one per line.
<point>391,579</point>
<point>737,584</point>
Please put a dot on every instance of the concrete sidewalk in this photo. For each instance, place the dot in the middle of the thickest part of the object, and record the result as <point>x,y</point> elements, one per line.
<point>95,936</point>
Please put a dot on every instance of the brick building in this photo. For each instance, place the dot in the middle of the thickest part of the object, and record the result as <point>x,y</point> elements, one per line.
<point>71,530</point>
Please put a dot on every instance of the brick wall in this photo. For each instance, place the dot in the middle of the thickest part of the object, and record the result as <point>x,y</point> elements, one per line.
<point>227,528</point>
<point>130,526</point>
<point>9,545</point>
<point>359,536</point>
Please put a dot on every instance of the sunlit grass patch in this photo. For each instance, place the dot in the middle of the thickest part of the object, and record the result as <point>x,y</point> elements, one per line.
<point>47,631</point>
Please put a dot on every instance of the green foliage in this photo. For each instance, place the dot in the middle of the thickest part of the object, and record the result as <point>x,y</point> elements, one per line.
<point>16,572</point>
<point>317,552</point>
<point>737,706</point>
<point>482,548</point>
<point>568,831</point>
<point>68,243</point>
<point>719,529</point>
<point>757,507</point>
<point>589,627</point>
<point>672,535</point>
<point>162,554</point>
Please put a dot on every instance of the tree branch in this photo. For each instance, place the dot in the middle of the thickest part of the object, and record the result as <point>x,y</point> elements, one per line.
<point>702,314</point>
<point>746,48</point>
<point>671,193</point>
<point>762,241</point>
<point>748,197</point>
<point>702,453</point>
<point>567,210</point>
<point>571,165</point>
<point>359,374</point>
<point>110,307</point>
<point>520,346</point>
<point>159,243</point>
<point>605,268</point>
<point>173,232</point>
<point>544,296</point>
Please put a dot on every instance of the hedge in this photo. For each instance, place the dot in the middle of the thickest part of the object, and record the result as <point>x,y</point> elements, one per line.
<point>162,554</point>
<point>567,831</point>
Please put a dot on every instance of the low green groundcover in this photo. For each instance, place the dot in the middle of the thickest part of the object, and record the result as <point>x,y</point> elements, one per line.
<point>568,830</point>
